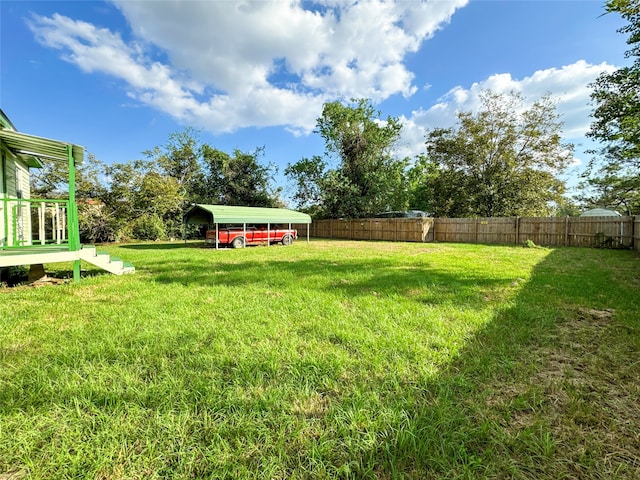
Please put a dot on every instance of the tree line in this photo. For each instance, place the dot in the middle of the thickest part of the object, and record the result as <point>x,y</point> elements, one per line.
<point>146,198</point>
<point>503,159</point>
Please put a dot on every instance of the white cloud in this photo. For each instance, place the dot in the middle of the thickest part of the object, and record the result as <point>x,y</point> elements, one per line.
<point>228,65</point>
<point>568,85</point>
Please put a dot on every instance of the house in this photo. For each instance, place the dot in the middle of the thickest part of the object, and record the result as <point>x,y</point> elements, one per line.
<point>38,231</point>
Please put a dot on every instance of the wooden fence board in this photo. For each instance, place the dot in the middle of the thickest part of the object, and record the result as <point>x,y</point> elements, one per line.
<point>543,231</point>
<point>389,229</point>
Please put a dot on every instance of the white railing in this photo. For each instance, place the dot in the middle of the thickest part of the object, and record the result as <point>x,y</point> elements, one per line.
<point>33,222</point>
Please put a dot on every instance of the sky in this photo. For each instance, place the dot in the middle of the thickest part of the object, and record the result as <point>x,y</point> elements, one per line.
<point>119,77</point>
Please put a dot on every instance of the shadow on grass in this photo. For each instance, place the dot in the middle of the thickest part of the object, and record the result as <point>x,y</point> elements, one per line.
<point>545,391</point>
<point>379,277</point>
<point>164,246</point>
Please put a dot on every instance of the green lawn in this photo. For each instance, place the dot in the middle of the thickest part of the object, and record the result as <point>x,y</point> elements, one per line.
<point>327,360</point>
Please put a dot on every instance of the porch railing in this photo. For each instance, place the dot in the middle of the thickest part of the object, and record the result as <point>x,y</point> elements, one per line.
<point>35,223</point>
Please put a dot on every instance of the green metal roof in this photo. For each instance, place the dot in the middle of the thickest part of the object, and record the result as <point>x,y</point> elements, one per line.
<point>34,149</point>
<point>212,214</point>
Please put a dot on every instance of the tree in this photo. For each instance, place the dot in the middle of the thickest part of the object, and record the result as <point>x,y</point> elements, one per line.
<point>617,95</point>
<point>307,175</point>
<point>179,158</point>
<point>237,179</point>
<point>367,178</point>
<point>612,177</point>
<point>422,180</point>
<point>608,190</point>
<point>52,180</point>
<point>145,202</point>
<point>501,161</point>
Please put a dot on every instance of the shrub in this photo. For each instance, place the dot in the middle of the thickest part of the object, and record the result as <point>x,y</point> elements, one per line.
<point>149,227</point>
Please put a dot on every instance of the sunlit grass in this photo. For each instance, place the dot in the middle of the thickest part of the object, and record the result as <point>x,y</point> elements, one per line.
<point>326,360</point>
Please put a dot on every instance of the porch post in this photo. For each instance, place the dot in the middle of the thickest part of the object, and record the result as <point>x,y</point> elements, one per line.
<point>4,238</point>
<point>41,225</point>
<point>72,224</point>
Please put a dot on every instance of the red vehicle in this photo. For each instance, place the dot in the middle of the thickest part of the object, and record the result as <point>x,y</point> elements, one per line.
<point>238,237</point>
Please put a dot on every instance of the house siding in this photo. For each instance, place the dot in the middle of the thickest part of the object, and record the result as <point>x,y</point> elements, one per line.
<point>14,184</point>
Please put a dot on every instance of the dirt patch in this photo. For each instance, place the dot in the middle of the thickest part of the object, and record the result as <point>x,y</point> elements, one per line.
<point>592,314</point>
<point>581,385</point>
<point>14,475</point>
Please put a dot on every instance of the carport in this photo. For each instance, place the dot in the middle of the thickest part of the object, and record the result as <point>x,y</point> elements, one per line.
<point>213,215</point>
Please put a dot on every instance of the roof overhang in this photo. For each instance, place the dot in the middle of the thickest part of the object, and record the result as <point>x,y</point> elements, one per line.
<point>33,150</point>
<point>212,214</point>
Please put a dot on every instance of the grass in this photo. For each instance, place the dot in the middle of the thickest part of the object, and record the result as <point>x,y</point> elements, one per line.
<point>327,360</point>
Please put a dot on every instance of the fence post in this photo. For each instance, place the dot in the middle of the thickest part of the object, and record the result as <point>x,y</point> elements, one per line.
<point>566,230</point>
<point>517,230</point>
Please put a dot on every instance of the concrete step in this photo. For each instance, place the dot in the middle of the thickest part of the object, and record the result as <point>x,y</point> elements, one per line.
<point>103,260</point>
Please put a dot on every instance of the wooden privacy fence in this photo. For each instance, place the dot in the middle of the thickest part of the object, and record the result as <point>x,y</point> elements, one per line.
<point>391,229</point>
<point>609,232</point>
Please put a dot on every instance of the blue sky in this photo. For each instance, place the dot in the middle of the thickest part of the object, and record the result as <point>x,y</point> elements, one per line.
<point>119,77</point>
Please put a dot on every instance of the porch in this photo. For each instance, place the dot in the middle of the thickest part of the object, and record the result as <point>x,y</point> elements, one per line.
<point>38,231</point>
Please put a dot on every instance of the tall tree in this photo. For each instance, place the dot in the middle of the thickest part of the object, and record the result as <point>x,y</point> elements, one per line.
<point>308,176</point>
<point>609,190</point>
<point>422,180</point>
<point>52,179</point>
<point>366,178</point>
<point>499,161</point>
<point>179,158</point>
<point>238,179</point>
<point>617,95</point>
<point>145,202</point>
<point>614,173</point>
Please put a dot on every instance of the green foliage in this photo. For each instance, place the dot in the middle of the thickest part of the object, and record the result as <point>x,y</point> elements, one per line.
<point>179,160</point>
<point>307,175</point>
<point>146,199</point>
<point>149,226</point>
<point>366,178</point>
<point>237,179</point>
<point>140,192</point>
<point>422,177</point>
<point>617,112</point>
<point>95,222</point>
<point>501,161</point>
<point>619,192</point>
<point>51,181</point>
<point>612,177</point>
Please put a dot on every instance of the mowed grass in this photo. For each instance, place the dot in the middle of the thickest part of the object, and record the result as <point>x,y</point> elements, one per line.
<point>327,360</point>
